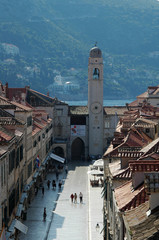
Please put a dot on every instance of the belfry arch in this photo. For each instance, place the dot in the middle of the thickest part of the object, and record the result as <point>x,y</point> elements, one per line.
<point>77,149</point>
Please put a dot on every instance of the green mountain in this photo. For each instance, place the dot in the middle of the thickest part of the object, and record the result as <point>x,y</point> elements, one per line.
<point>56,36</point>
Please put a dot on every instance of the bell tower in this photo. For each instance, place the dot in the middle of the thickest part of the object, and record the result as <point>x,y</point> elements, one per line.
<point>95,101</point>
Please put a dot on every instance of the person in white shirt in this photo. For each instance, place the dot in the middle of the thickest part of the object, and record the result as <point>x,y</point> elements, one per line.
<point>81,197</point>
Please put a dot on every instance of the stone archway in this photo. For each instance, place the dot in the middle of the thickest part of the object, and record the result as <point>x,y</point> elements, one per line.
<point>59,151</point>
<point>77,149</point>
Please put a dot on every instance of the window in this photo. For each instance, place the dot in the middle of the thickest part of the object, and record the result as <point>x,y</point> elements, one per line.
<point>11,160</point>
<point>17,193</point>
<point>59,112</point>
<point>21,184</point>
<point>21,152</point>
<point>29,169</point>
<point>29,121</point>
<point>35,143</point>
<point>78,120</point>
<point>95,73</point>
<point>17,158</point>
<point>2,176</point>
<point>147,130</point>
<point>47,147</point>
<point>11,202</point>
<point>107,124</point>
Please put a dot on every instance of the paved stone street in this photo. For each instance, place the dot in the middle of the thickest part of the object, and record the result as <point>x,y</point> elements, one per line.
<point>66,220</point>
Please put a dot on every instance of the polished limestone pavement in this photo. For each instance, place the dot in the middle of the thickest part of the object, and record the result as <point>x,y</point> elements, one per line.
<point>66,220</point>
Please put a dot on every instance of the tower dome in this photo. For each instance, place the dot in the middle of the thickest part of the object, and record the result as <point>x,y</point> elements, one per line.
<point>95,52</point>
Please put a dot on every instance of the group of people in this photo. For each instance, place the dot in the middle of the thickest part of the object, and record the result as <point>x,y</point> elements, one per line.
<point>53,187</point>
<point>54,184</point>
<point>74,197</point>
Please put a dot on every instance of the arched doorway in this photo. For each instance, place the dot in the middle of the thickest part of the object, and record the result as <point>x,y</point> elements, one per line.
<point>77,149</point>
<point>59,151</point>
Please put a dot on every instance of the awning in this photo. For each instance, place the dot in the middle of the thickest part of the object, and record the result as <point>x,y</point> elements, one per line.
<point>28,186</point>
<point>57,158</point>
<point>19,210</point>
<point>45,161</point>
<point>35,175</point>
<point>23,197</point>
<point>11,227</point>
<point>21,227</point>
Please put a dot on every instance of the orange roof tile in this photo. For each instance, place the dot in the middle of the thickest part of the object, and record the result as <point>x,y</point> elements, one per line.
<point>126,197</point>
<point>136,215</point>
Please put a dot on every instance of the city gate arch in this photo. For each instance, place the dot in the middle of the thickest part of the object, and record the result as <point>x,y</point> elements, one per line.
<point>77,149</point>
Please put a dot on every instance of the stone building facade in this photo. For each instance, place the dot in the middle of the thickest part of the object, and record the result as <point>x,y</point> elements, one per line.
<point>41,125</point>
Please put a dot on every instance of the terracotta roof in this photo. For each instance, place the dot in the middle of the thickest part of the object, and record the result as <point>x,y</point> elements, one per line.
<point>124,174</point>
<point>138,136</point>
<point>151,147</point>
<point>156,91</point>
<point>78,110</point>
<point>147,229</point>
<point>128,198</point>
<point>119,110</point>
<point>143,95</point>
<point>38,123</point>
<point>15,93</point>
<point>134,104</point>
<point>4,101</point>
<point>21,107</point>
<point>35,129</point>
<point>150,156</point>
<point>46,97</point>
<point>143,122</point>
<point>129,148</point>
<point>5,135</point>
<point>136,215</point>
<point>144,166</point>
<point>4,121</point>
<point>2,151</point>
<point>115,167</point>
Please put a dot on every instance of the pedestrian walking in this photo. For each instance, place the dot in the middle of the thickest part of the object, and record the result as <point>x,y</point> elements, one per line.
<point>44,214</point>
<point>60,184</point>
<point>53,184</point>
<point>75,198</point>
<point>66,169</point>
<point>72,197</point>
<point>57,175</point>
<point>36,190</point>
<point>48,183</point>
<point>81,197</point>
<point>43,190</point>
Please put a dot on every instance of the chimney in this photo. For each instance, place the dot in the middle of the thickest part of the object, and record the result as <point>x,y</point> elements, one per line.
<point>137,173</point>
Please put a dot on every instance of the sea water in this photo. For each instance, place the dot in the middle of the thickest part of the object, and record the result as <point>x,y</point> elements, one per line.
<point>105,102</point>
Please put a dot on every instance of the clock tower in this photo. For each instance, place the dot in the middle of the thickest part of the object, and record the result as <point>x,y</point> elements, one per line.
<point>95,101</point>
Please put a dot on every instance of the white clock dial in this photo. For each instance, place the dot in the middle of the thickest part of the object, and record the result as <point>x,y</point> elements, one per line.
<point>96,107</point>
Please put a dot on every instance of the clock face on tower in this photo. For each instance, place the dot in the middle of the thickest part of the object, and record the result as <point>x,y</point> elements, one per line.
<point>96,107</point>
